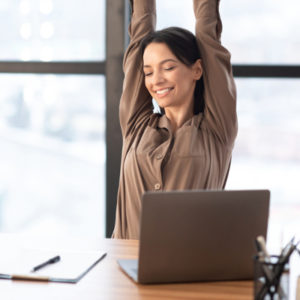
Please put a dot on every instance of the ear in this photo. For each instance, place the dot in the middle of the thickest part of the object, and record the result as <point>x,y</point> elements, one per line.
<point>197,68</point>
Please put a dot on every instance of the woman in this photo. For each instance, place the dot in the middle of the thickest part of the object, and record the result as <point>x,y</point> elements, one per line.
<point>189,145</point>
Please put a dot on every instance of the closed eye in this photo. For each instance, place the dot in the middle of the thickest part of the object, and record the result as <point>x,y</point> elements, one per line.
<point>148,74</point>
<point>170,68</point>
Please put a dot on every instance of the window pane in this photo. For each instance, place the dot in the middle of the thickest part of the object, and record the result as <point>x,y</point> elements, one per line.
<point>262,31</point>
<point>52,154</point>
<point>255,31</point>
<point>175,13</point>
<point>267,151</point>
<point>47,30</point>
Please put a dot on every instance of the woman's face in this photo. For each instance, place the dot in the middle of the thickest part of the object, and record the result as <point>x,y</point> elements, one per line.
<point>170,82</point>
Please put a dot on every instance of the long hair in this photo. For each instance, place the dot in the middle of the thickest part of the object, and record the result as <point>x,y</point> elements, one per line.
<point>183,45</point>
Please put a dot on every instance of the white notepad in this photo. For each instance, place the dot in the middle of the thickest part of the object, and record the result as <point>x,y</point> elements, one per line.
<point>18,263</point>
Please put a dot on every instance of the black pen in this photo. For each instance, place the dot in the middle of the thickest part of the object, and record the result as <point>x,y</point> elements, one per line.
<point>48,262</point>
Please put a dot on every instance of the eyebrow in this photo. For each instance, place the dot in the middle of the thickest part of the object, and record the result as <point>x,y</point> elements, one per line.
<point>162,62</point>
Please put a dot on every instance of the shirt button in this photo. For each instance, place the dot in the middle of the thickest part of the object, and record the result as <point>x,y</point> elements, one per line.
<point>157,186</point>
<point>159,156</point>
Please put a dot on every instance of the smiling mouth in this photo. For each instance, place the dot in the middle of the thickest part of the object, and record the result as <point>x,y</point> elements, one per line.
<point>163,91</point>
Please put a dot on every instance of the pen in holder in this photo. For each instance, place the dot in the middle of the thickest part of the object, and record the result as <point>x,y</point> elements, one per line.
<point>271,278</point>
<point>271,272</point>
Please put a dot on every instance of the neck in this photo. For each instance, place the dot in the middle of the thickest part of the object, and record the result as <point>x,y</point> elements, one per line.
<point>178,117</point>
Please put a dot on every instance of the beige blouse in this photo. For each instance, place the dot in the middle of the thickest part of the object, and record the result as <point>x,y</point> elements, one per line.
<point>198,154</point>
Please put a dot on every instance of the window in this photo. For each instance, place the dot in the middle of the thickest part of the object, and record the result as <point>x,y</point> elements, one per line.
<point>257,32</point>
<point>266,154</point>
<point>52,30</point>
<point>52,126</point>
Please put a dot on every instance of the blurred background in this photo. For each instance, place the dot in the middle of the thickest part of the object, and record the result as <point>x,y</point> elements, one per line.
<point>52,127</point>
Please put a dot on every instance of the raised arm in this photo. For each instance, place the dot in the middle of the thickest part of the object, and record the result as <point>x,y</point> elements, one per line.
<point>136,102</point>
<point>220,91</point>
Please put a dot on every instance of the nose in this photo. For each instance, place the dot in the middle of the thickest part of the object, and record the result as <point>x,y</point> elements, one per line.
<point>157,78</point>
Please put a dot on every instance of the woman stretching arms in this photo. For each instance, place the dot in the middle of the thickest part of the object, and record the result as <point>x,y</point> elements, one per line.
<point>189,144</point>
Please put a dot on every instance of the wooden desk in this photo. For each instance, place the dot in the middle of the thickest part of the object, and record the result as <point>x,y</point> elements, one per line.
<point>106,280</point>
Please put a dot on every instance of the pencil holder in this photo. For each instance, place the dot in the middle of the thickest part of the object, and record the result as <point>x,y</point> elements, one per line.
<point>271,279</point>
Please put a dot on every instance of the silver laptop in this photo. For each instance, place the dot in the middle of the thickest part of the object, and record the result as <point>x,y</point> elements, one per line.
<point>198,235</point>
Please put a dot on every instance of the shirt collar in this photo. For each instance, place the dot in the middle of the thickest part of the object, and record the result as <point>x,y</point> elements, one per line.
<point>164,122</point>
